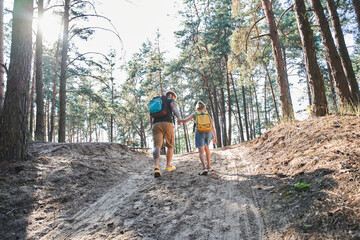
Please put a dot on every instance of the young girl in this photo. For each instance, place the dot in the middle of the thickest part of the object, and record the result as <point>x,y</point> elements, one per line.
<point>202,139</point>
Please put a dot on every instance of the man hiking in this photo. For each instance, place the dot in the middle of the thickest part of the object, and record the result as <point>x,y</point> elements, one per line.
<point>162,127</point>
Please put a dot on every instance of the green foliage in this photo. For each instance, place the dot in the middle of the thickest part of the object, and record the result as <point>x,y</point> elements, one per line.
<point>299,186</point>
<point>215,36</point>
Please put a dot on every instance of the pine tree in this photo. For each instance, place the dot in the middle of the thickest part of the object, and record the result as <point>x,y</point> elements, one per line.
<point>13,132</point>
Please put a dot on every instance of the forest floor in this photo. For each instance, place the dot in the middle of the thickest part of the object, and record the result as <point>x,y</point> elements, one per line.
<point>299,180</point>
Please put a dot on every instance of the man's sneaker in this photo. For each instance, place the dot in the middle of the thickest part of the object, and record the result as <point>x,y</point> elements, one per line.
<point>204,172</point>
<point>157,172</point>
<point>169,169</point>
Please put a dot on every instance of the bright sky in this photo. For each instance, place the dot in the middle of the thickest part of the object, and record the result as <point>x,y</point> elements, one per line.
<point>135,20</point>
<point>138,21</point>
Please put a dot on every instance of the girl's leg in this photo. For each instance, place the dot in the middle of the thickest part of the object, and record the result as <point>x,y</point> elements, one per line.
<point>207,151</point>
<point>202,156</point>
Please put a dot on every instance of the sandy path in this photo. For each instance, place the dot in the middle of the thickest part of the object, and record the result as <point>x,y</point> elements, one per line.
<point>179,205</point>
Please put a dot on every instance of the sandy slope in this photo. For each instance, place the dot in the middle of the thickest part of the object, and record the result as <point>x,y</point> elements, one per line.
<point>106,191</point>
<point>180,205</point>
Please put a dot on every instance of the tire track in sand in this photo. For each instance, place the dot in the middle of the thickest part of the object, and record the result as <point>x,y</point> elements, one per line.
<point>241,211</point>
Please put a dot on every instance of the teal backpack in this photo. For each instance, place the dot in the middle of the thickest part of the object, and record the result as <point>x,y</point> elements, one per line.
<point>158,106</point>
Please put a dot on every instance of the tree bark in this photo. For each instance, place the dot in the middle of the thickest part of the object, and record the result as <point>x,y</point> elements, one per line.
<point>62,93</point>
<point>344,54</point>
<point>286,105</point>
<point>333,93</point>
<point>315,78</point>
<point>2,69</point>
<point>356,4</point>
<point>52,115</point>
<point>185,133</point>
<point>13,134</point>
<point>251,115</point>
<point>241,130</point>
<point>265,101</point>
<point>308,89</point>
<point>273,95</point>
<point>39,130</point>
<point>341,84</point>
<point>257,110</point>
<point>245,113</point>
<point>223,117</point>
<point>216,119</point>
<point>229,100</point>
<point>31,102</point>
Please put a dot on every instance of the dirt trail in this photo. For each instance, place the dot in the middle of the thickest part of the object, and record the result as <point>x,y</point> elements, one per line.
<point>298,180</point>
<point>179,205</point>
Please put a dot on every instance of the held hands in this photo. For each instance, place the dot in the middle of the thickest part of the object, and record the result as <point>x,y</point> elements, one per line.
<point>180,121</point>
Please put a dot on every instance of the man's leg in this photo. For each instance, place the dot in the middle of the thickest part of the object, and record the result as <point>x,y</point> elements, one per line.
<point>156,156</point>
<point>158,140</point>
<point>169,155</point>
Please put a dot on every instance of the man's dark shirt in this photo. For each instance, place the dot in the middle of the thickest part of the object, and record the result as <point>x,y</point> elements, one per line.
<point>168,116</point>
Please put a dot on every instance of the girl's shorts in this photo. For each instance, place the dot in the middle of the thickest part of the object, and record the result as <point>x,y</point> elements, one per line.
<point>202,139</point>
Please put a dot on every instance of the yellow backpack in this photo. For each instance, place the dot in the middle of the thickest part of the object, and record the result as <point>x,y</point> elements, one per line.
<point>203,123</point>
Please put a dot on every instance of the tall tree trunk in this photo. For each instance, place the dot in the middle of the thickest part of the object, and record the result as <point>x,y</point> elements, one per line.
<point>245,113</point>
<point>272,94</point>
<point>142,133</point>
<point>13,132</point>
<point>344,55</point>
<point>251,115</point>
<point>39,130</point>
<point>315,78</point>
<point>286,72</point>
<point>47,129</point>
<point>286,105</point>
<point>217,119</point>
<point>52,116</point>
<point>2,69</point>
<point>223,116</point>
<point>308,89</point>
<point>356,4</point>
<point>342,87</point>
<point>44,120</point>
<point>112,115</point>
<point>31,102</point>
<point>265,102</point>
<point>229,100</point>
<point>241,130</point>
<point>78,129</point>
<point>332,88</point>
<point>185,133</point>
<point>90,121</point>
<point>62,117</point>
<point>257,110</point>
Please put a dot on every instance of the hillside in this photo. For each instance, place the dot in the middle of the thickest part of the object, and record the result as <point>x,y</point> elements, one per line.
<point>299,180</point>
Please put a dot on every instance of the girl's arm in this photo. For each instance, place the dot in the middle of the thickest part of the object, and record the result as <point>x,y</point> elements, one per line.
<point>213,131</point>
<point>187,119</point>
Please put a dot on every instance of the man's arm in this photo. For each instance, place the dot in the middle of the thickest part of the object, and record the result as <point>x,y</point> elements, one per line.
<point>175,110</point>
<point>188,118</point>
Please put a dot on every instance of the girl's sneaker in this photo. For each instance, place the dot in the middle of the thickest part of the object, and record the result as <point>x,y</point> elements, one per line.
<point>210,169</point>
<point>204,172</point>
